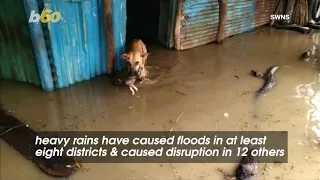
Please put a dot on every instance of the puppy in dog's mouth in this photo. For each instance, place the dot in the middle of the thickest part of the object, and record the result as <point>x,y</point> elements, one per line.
<point>130,82</point>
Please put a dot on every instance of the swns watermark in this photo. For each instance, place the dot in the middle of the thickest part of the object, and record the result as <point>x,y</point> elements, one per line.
<point>47,16</point>
<point>279,17</point>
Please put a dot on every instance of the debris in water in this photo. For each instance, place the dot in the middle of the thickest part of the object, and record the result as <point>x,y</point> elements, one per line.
<point>244,93</point>
<point>175,123</point>
<point>186,86</point>
<point>264,170</point>
<point>85,169</point>
<point>226,175</point>
<point>236,77</point>
<point>226,115</point>
<point>118,81</point>
<point>180,92</point>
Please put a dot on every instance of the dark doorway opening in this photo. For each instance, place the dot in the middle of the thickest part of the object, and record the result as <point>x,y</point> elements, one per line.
<point>143,20</point>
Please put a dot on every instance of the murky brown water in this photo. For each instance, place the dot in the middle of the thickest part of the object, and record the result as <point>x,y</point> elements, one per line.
<point>201,83</point>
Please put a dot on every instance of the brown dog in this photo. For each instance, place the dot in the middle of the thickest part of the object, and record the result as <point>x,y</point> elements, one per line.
<point>136,58</point>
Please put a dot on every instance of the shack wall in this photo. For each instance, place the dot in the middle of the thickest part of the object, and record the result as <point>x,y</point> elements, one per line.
<point>78,43</point>
<point>17,58</point>
<point>199,23</point>
<point>57,55</point>
<point>199,19</point>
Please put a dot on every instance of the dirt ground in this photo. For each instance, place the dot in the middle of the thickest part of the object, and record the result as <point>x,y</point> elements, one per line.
<point>202,83</point>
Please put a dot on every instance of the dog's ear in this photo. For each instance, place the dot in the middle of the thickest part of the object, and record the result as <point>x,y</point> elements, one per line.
<point>125,57</point>
<point>145,55</point>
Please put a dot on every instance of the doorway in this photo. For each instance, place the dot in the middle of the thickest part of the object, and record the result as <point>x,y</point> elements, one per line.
<point>143,20</point>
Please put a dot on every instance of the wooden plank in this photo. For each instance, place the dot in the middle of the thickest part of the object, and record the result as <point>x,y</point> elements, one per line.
<point>108,28</point>
<point>171,23</point>
<point>222,20</point>
<point>19,136</point>
<point>290,8</point>
<point>177,43</point>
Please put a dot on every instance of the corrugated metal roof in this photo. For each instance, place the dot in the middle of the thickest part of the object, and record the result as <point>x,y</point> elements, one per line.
<point>17,60</point>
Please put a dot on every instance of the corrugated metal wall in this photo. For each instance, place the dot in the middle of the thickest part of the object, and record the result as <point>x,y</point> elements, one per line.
<point>75,42</point>
<point>78,42</point>
<point>264,9</point>
<point>119,19</point>
<point>200,19</point>
<point>39,46</point>
<point>240,16</point>
<point>245,15</point>
<point>63,53</point>
<point>17,59</point>
<point>200,22</point>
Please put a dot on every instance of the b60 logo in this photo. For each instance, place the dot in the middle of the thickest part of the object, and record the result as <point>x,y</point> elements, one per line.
<point>45,17</point>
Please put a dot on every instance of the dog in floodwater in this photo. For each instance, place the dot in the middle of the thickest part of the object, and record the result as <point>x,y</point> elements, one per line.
<point>136,58</point>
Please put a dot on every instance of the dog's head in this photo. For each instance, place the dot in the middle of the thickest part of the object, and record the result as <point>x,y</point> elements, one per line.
<point>135,61</point>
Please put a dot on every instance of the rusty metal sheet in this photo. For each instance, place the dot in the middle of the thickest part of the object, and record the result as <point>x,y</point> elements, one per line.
<point>240,17</point>
<point>264,9</point>
<point>246,15</point>
<point>200,20</point>
<point>199,24</point>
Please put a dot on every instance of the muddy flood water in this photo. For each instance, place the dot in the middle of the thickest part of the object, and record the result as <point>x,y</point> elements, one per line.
<point>202,84</point>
